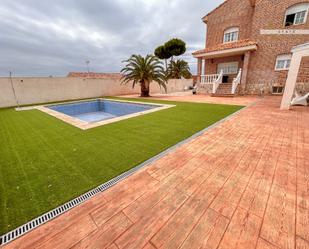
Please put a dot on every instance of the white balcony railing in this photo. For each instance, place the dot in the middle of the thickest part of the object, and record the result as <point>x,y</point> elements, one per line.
<point>209,78</point>
<point>236,81</point>
<point>212,79</point>
<point>217,82</point>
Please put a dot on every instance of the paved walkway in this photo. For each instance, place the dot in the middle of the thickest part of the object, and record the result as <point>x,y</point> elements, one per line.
<point>201,98</point>
<point>243,184</point>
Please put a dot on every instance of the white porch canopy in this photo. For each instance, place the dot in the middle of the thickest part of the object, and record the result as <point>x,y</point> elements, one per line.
<point>298,52</point>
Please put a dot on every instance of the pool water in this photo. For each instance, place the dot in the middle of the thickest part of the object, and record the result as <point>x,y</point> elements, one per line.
<point>98,110</point>
<point>94,116</point>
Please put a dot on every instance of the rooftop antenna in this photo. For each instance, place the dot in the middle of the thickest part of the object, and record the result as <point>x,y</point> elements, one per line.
<point>12,85</point>
<point>87,63</point>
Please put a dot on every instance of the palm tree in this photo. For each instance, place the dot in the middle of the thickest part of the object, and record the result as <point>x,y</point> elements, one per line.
<point>143,70</point>
<point>179,68</point>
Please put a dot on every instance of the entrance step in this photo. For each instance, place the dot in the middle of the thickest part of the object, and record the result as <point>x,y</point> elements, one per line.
<point>222,95</point>
<point>224,89</point>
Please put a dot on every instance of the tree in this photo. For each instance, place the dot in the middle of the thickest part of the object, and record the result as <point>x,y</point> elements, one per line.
<point>175,47</point>
<point>162,54</point>
<point>143,70</point>
<point>178,69</point>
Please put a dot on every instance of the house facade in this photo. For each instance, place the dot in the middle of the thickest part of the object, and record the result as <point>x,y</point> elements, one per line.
<point>251,40</point>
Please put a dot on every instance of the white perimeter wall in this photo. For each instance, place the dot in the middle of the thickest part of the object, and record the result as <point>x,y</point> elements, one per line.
<point>42,89</point>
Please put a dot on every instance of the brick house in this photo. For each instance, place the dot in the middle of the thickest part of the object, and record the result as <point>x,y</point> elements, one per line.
<point>248,45</point>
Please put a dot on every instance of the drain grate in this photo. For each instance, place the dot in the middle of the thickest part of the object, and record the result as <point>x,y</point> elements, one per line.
<point>6,238</point>
<point>14,234</point>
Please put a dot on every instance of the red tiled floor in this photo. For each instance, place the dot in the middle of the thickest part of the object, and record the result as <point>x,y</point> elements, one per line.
<point>243,184</point>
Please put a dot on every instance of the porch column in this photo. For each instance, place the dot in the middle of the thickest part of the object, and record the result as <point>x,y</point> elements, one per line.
<point>199,69</point>
<point>204,68</point>
<point>245,69</point>
<point>298,53</point>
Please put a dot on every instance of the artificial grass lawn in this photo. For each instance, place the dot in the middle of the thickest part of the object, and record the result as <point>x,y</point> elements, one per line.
<point>45,162</point>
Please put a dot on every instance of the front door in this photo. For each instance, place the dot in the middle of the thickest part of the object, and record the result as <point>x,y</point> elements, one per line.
<point>225,79</point>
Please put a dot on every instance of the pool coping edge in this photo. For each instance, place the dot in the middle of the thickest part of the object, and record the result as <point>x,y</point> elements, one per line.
<point>83,125</point>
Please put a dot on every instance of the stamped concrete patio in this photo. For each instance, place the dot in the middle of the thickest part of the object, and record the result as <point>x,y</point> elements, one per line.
<point>243,184</point>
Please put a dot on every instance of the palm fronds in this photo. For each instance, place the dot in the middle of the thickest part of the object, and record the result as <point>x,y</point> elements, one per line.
<point>143,70</point>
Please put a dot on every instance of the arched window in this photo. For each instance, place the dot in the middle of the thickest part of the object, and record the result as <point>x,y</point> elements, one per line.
<point>296,14</point>
<point>231,34</point>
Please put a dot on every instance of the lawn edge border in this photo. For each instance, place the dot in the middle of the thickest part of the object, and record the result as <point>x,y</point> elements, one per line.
<point>50,215</point>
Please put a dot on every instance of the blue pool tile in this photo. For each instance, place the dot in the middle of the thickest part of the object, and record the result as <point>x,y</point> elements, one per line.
<point>97,110</point>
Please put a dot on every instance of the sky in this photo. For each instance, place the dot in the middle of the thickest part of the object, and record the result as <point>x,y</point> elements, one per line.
<point>54,37</point>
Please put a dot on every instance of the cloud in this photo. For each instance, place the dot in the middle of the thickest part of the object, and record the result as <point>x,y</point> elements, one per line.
<point>53,37</point>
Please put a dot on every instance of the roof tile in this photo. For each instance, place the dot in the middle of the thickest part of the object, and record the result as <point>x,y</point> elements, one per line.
<point>93,75</point>
<point>224,46</point>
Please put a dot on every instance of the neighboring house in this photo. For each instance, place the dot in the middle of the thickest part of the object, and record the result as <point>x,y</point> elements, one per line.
<point>92,75</point>
<point>255,36</point>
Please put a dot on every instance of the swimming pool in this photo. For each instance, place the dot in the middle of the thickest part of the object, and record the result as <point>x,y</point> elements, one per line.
<point>97,110</point>
<point>93,113</point>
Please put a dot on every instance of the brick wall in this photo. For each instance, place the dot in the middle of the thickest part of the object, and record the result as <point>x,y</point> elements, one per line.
<point>265,15</point>
<point>223,18</point>
<point>262,64</point>
<point>303,76</point>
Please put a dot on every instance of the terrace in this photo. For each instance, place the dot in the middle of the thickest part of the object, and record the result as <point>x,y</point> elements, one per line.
<point>242,183</point>
<point>169,160</point>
